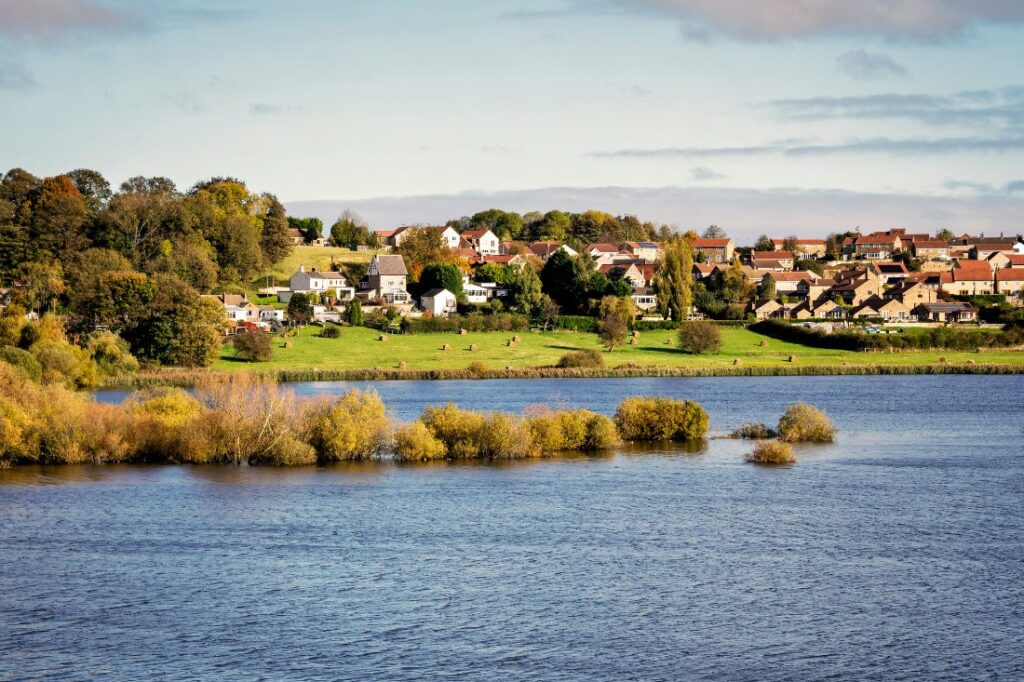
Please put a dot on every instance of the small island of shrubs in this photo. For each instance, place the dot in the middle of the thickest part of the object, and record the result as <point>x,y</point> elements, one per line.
<point>800,423</point>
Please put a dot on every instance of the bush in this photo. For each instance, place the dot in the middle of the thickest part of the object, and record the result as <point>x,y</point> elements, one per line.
<point>802,423</point>
<point>65,364</point>
<point>23,360</point>
<point>580,430</point>
<point>414,442</point>
<point>753,431</point>
<point>699,337</point>
<point>330,332</point>
<point>772,452</point>
<point>654,418</point>
<point>576,323</point>
<point>254,347</point>
<point>353,427</point>
<point>111,354</point>
<point>586,358</point>
<point>162,418</point>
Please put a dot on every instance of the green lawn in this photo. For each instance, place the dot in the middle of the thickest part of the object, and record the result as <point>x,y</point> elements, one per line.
<point>319,257</point>
<point>358,348</point>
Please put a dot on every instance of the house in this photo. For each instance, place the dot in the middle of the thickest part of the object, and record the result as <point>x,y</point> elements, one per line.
<point>931,249</point>
<point>769,266</point>
<point>269,314</point>
<point>812,290</point>
<point>1010,282</point>
<point>615,258</point>
<point>484,242</point>
<point>600,249</point>
<point>439,302</point>
<point>645,251</point>
<point>891,272</point>
<point>788,283</point>
<point>766,310</point>
<point>830,310</point>
<point>856,286</point>
<point>239,310</point>
<point>331,284</point>
<point>911,293</point>
<point>785,259</point>
<point>473,292</point>
<point>543,250</point>
<point>296,236</point>
<point>985,247</point>
<point>645,299</point>
<point>968,278</point>
<point>715,250</point>
<point>946,312</point>
<point>1013,260</point>
<point>703,271</point>
<point>386,281</point>
<point>810,248</point>
<point>629,271</point>
<point>877,246</point>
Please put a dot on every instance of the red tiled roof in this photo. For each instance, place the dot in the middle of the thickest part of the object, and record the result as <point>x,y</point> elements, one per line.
<point>771,255</point>
<point>711,243</point>
<point>1010,275</point>
<point>474,234</point>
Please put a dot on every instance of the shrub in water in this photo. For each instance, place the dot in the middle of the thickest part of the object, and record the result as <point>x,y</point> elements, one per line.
<point>772,452</point>
<point>353,427</point>
<point>414,443</point>
<point>753,431</point>
<point>458,429</point>
<point>586,358</point>
<point>654,418</point>
<point>580,430</point>
<point>699,336</point>
<point>803,423</point>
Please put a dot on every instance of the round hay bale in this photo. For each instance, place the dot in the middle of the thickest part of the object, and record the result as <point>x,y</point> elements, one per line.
<point>971,362</point>
<point>737,361</point>
<point>670,341</point>
<point>462,332</point>
<point>382,337</point>
<point>979,350</point>
<point>943,359</point>
<point>632,341</point>
<point>287,344</point>
<point>635,334</point>
<point>472,348</point>
<point>446,347</point>
<point>512,343</point>
<point>764,343</point>
<point>792,358</point>
<point>516,339</point>
<point>402,365</point>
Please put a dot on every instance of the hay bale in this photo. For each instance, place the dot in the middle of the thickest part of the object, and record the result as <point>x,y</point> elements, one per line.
<point>737,361</point>
<point>669,341</point>
<point>764,343</point>
<point>287,344</point>
<point>382,337</point>
<point>472,348</point>
<point>462,332</point>
<point>402,365</point>
<point>971,362</point>
<point>632,341</point>
<point>635,334</point>
<point>792,358</point>
<point>446,347</point>
<point>943,360</point>
<point>515,338</point>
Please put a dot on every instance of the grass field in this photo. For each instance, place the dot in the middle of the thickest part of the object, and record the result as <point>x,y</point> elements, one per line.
<point>319,257</point>
<point>358,348</point>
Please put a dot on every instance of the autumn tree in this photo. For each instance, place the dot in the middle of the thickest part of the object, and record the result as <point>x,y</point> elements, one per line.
<point>615,315</point>
<point>420,247</point>
<point>673,282</point>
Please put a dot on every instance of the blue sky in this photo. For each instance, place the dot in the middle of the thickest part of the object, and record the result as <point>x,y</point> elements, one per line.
<point>804,116</point>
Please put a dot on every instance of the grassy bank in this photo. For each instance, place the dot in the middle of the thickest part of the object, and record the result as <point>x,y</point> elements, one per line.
<point>319,257</point>
<point>357,354</point>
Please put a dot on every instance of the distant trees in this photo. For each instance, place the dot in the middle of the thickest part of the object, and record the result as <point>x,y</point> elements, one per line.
<point>311,228</point>
<point>713,232</point>
<point>442,276</point>
<point>351,231</point>
<point>764,243</point>
<point>766,289</point>
<point>422,247</point>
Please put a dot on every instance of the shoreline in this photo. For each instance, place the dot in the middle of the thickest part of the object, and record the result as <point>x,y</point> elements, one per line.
<point>185,378</point>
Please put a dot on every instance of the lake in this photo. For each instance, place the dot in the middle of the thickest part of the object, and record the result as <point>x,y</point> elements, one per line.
<point>896,553</point>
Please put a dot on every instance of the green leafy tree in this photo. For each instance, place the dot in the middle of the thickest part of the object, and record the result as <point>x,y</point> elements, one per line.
<point>734,286</point>
<point>766,289</point>
<point>713,232</point>
<point>355,313</point>
<point>350,231</point>
<point>300,310</point>
<point>275,241</point>
<point>674,280</point>
<point>764,243</point>
<point>422,247</point>
<point>442,276</point>
<point>616,314</point>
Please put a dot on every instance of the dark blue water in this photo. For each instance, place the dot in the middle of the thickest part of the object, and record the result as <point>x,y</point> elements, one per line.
<point>896,554</point>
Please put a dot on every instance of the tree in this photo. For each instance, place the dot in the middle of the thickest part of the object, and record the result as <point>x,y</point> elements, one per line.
<point>791,244</point>
<point>674,280</point>
<point>145,213</point>
<point>350,231</point>
<point>734,285</point>
<point>766,289</point>
<point>555,226</point>
<point>355,313</point>
<point>93,187</point>
<point>764,243</point>
<point>311,228</point>
<point>615,315</point>
<point>275,241</point>
<point>442,276</point>
<point>713,232</point>
<point>421,247</point>
<point>180,328</point>
<point>945,234</point>
<point>58,218</point>
<point>299,309</point>
<point>570,280</point>
<point>254,347</point>
<point>42,283</point>
<point>699,336</point>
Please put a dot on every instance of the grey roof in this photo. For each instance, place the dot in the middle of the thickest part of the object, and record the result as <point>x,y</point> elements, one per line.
<point>391,265</point>
<point>947,307</point>
<point>433,292</point>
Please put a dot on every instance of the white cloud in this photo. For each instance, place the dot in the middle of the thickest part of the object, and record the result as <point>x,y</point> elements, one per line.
<point>864,66</point>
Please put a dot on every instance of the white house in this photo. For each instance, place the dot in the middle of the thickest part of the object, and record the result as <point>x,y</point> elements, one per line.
<point>386,281</point>
<point>473,292</point>
<point>439,302</point>
<point>270,314</point>
<point>451,238</point>
<point>313,282</point>
<point>484,242</point>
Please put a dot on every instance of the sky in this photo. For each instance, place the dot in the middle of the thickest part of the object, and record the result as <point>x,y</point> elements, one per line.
<point>781,116</point>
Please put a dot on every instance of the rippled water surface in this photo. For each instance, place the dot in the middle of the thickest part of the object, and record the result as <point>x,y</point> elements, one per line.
<point>897,553</point>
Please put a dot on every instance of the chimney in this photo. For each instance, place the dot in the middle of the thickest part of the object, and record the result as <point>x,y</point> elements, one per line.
<point>302,268</point>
